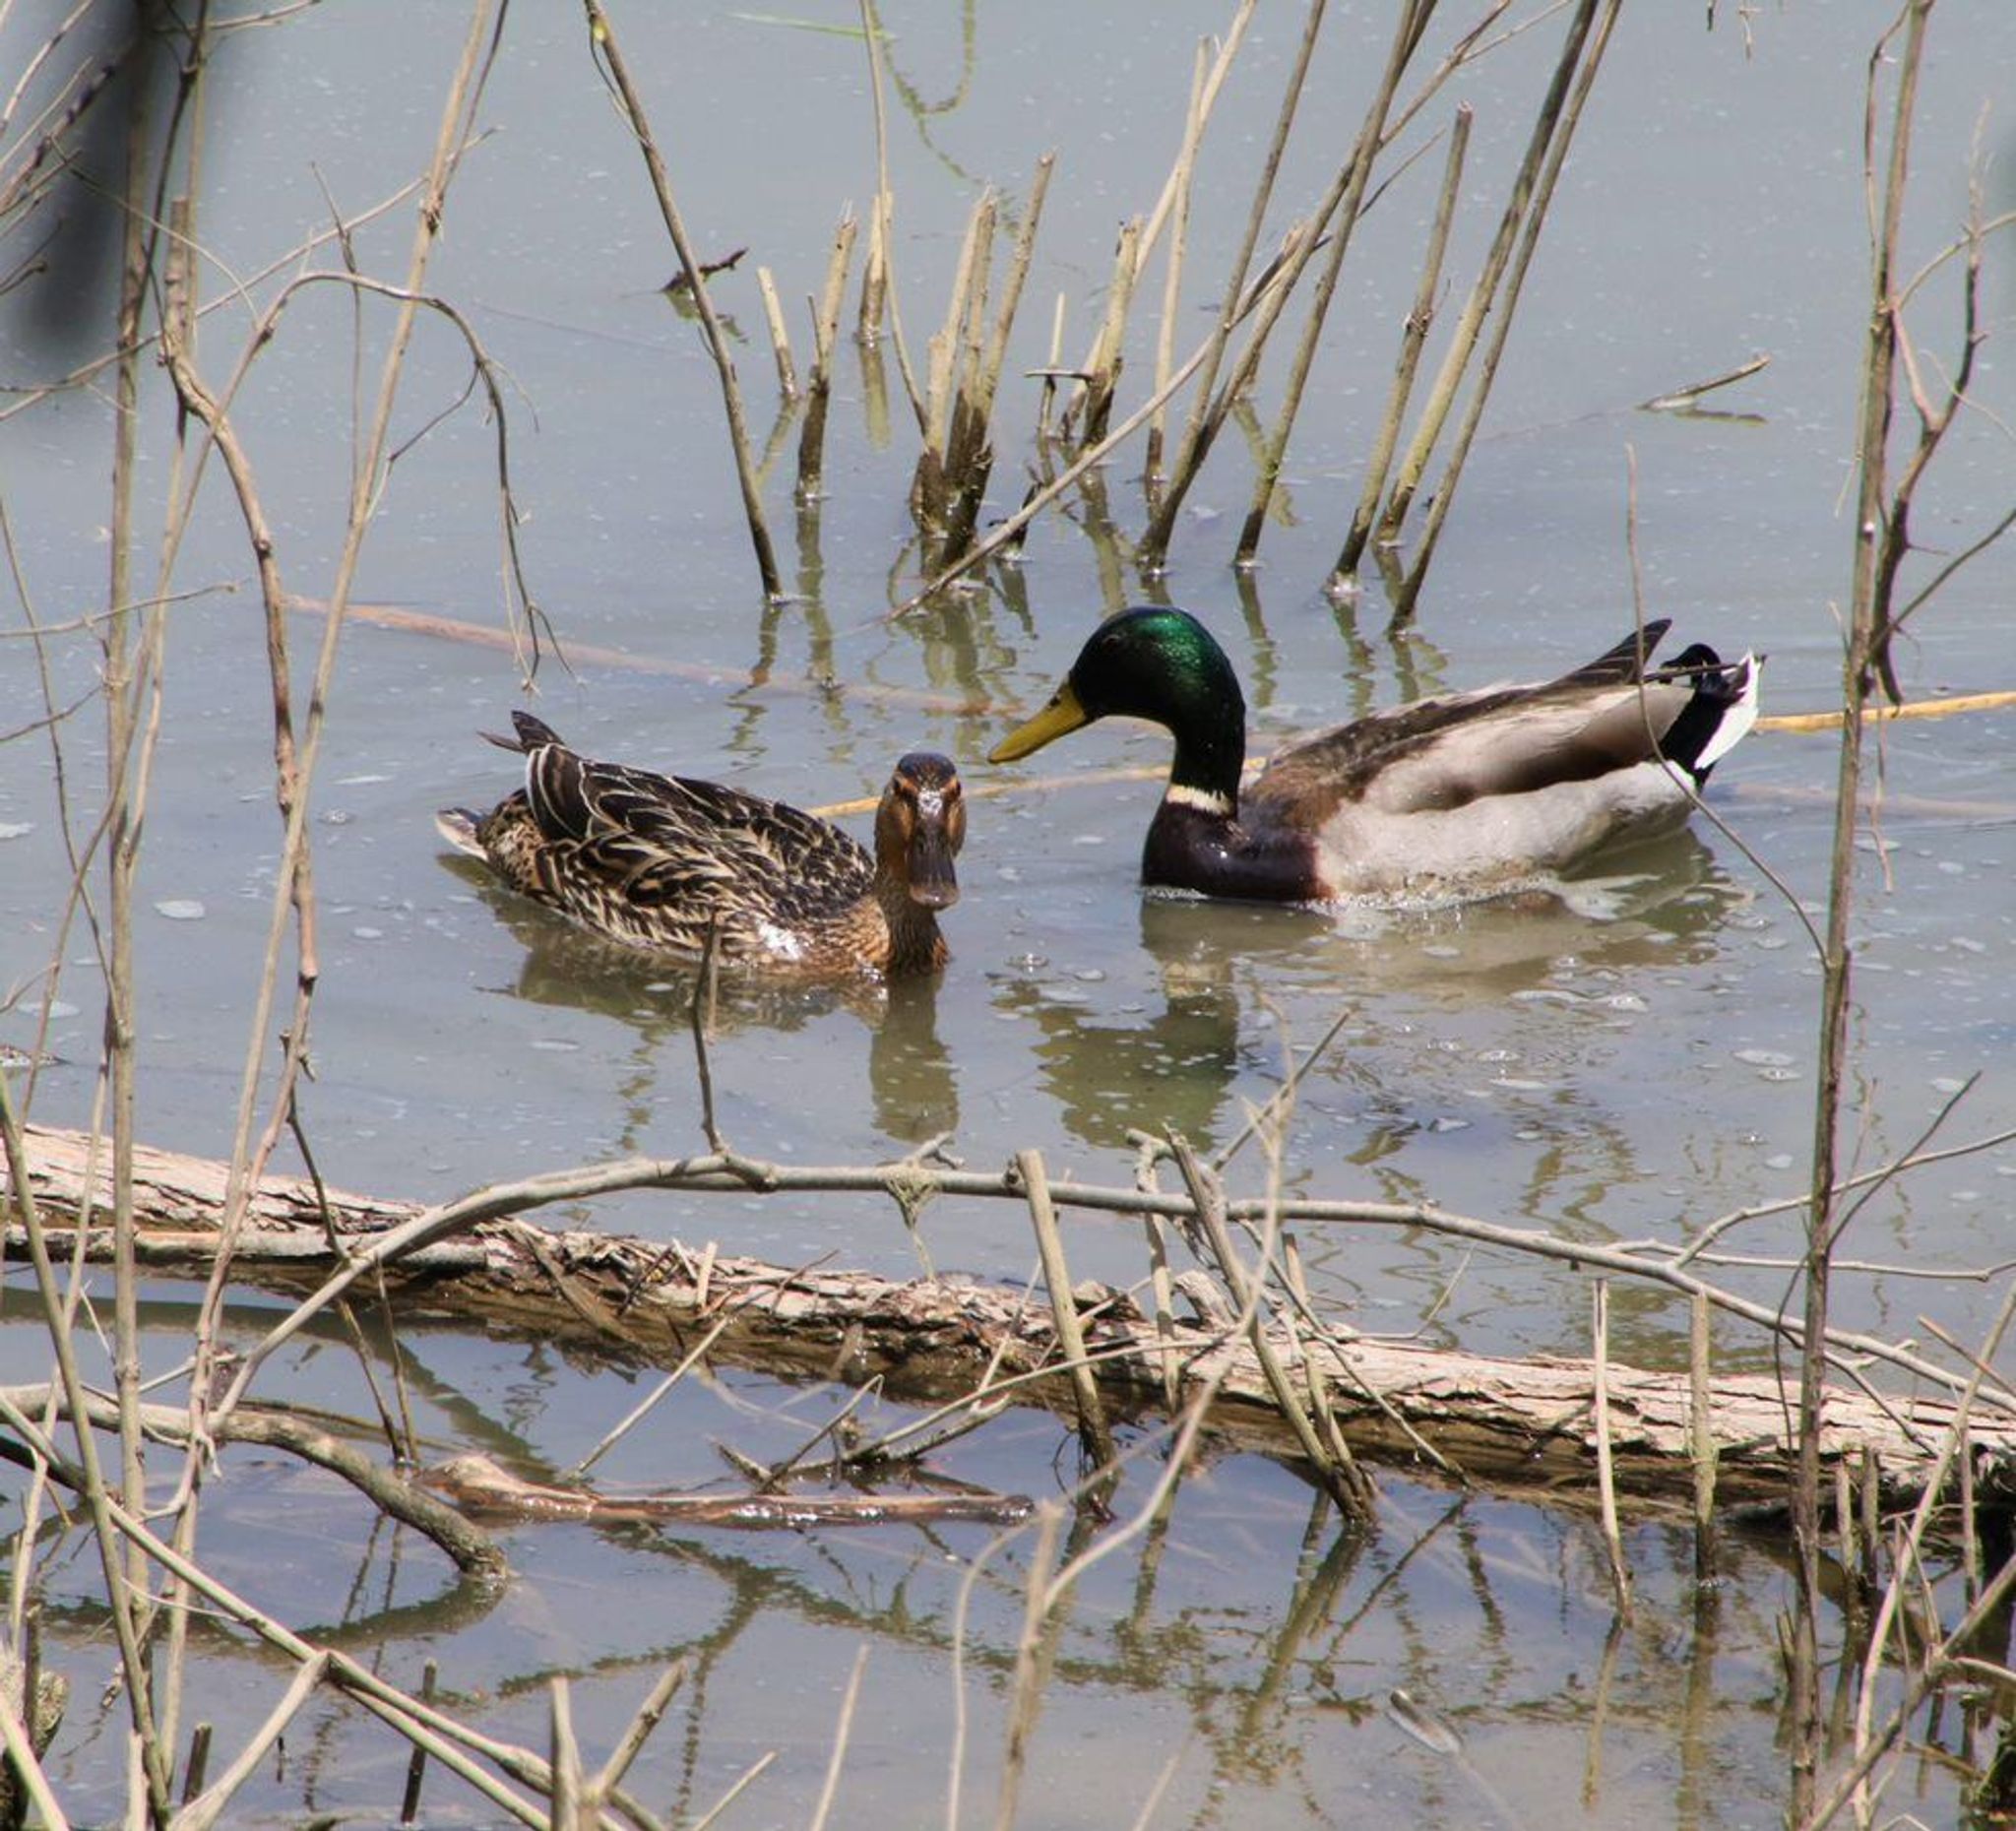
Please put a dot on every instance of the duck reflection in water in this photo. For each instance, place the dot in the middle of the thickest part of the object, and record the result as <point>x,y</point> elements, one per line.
<point>913,1084</point>
<point>1234,982</point>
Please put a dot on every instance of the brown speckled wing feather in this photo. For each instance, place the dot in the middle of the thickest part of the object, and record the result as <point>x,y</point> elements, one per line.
<point>668,842</point>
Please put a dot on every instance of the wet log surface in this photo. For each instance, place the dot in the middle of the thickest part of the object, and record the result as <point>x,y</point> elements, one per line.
<point>1526,1423</point>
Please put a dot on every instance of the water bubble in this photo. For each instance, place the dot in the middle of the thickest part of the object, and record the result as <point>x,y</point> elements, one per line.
<point>1763,1058</point>
<point>181,909</point>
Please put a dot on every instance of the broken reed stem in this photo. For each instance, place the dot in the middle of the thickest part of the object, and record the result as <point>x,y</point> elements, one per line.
<point>643,1407</point>
<point>1109,353</point>
<point>648,1714</point>
<point>208,1807</point>
<point>1176,193</point>
<point>825,337</point>
<point>970,455</point>
<point>1161,1288</point>
<point>1702,1432</point>
<point>1412,338</point>
<point>617,74</point>
<point>1342,1480</point>
<point>1153,552</point>
<point>1341,211</point>
<point>1313,1385</point>
<point>1606,1473</point>
<point>416,1763</point>
<point>780,337</point>
<point>700,1019</point>
<point>574,1808</point>
<point>1558,141</point>
<point>1470,324</point>
<point>947,350</point>
<point>1010,529</point>
<point>1092,1428</point>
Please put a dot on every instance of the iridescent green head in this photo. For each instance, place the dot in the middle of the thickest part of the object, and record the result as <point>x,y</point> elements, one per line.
<point>1159,664</point>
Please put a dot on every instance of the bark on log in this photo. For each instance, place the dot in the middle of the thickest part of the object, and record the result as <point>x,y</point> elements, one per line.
<point>1520,1424</point>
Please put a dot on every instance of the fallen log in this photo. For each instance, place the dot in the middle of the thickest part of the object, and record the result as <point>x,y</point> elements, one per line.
<point>1520,1424</point>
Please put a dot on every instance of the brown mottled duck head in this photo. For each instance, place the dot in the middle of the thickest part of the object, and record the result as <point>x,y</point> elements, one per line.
<point>920,828</point>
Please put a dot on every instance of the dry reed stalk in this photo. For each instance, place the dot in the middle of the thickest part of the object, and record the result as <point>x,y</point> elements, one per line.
<point>1340,1479</point>
<point>842,1731</point>
<point>1010,529</point>
<point>969,455</point>
<point>880,278</point>
<point>1032,1654</point>
<point>1926,1666</point>
<point>451,1743</point>
<point>208,1807</point>
<point>1344,575</point>
<point>1341,212</point>
<point>874,279</point>
<point>369,481</point>
<point>780,337</point>
<point>946,350</point>
<point>825,336</point>
<point>1094,1430</point>
<point>1174,188</point>
<point>1315,1390</point>
<point>1865,615</point>
<point>96,1492</point>
<point>1178,191</point>
<point>617,75</point>
<point>1155,542</point>
<point>1046,400</point>
<point>416,1762</point>
<point>1606,1473</point>
<point>1163,1292</point>
<point>1704,1451</point>
<point>648,1716</point>
<point>1559,140</point>
<point>1469,323</point>
<point>645,1406</point>
<point>1109,351</point>
<point>130,670</point>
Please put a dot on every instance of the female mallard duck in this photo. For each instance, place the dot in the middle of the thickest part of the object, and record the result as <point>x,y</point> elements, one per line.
<point>654,861</point>
<point>1462,796</point>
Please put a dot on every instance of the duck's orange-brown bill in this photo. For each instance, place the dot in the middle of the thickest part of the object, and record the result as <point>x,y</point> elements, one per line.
<point>933,881</point>
<point>1063,713</point>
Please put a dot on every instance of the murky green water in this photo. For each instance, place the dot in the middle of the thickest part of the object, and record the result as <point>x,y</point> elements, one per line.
<point>1633,1059</point>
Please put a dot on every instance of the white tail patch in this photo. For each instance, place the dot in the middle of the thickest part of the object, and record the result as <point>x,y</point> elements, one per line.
<point>1738,720</point>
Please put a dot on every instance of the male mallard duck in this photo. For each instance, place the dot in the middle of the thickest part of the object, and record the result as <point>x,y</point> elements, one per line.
<point>654,861</point>
<point>1462,795</point>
